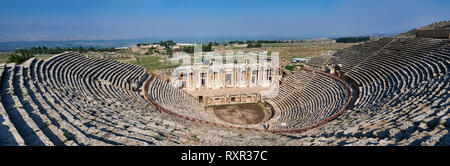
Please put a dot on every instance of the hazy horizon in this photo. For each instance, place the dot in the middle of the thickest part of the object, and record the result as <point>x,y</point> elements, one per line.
<point>53,20</point>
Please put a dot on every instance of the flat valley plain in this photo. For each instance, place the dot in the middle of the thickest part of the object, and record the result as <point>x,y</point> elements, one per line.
<point>155,63</point>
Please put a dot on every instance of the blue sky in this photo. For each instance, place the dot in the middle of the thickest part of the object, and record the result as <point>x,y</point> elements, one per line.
<point>112,19</point>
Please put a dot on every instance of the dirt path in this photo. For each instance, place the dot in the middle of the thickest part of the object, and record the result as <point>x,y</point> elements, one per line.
<point>240,114</point>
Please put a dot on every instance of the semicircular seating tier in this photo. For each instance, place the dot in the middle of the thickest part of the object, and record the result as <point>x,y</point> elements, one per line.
<point>401,88</point>
<point>305,99</point>
<point>72,100</point>
<point>398,66</point>
<point>177,101</point>
<point>403,98</point>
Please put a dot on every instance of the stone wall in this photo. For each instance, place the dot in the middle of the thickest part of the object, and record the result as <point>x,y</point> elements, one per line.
<point>437,34</point>
<point>231,99</point>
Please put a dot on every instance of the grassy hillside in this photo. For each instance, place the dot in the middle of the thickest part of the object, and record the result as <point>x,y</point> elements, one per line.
<point>435,26</point>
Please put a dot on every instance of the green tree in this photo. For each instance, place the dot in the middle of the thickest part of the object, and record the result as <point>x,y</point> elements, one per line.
<point>207,48</point>
<point>352,39</point>
<point>188,49</point>
<point>289,67</point>
<point>19,58</point>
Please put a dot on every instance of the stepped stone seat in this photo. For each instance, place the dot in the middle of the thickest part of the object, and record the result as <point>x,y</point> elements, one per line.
<point>84,104</point>
<point>48,110</point>
<point>8,132</point>
<point>403,95</point>
<point>319,61</point>
<point>176,100</point>
<point>306,99</point>
<point>399,97</point>
<point>415,59</point>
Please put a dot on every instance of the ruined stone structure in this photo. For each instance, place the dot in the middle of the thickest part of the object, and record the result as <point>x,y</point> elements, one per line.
<point>226,83</point>
<point>232,99</point>
<point>436,34</point>
<point>225,76</point>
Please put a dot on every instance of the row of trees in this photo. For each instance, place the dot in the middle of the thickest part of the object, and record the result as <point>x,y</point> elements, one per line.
<point>58,50</point>
<point>214,44</point>
<point>168,43</point>
<point>253,42</point>
<point>205,48</point>
<point>21,55</point>
<point>236,42</point>
<point>352,39</point>
<point>292,67</point>
<point>208,48</point>
<point>255,45</point>
<point>188,49</point>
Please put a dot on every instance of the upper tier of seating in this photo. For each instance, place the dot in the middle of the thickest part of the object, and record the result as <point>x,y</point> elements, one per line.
<point>319,61</point>
<point>352,56</point>
<point>305,99</point>
<point>418,116</point>
<point>399,65</point>
<point>403,95</point>
<point>72,100</point>
<point>177,101</point>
